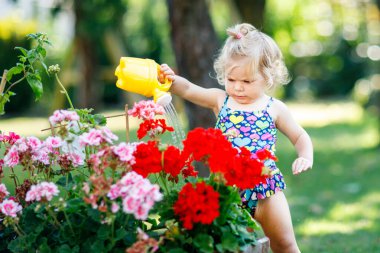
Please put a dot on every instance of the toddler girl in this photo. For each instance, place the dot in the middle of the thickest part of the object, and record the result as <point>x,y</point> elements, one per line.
<point>249,65</point>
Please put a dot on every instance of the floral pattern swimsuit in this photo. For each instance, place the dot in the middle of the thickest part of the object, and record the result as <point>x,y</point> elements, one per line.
<point>254,130</point>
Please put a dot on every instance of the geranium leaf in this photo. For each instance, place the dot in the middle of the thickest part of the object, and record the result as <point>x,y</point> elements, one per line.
<point>73,205</point>
<point>100,120</point>
<point>64,249</point>
<point>204,242</point>
<point>229,242</point>
<point>120,233</point>
<point>44,247</point>
<point>177,250</point>
<point>103,232</point>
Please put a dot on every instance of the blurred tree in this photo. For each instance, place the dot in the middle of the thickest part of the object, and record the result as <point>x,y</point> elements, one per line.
<point>251,11</point>
<point>97,44</point>
<point>195,44</point>
<point>93,21</point>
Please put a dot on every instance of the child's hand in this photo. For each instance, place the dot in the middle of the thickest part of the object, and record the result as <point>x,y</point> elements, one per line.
<point>166,73</point>
<point>301,164</point>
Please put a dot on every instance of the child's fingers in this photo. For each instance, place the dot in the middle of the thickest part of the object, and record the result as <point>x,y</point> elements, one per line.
<point>300,164</point>
<point>161,78</point>
<point>166,72</point>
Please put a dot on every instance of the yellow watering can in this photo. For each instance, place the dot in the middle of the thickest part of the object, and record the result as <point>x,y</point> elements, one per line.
<point>141,76</point>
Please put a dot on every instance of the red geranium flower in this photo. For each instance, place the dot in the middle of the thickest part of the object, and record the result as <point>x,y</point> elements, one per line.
<point>147,159</point>
<point>173,162</point>
<point>203,143</point>
<point>189,170</point>
<point>197,204</point>
<point>153,127</point>
<point>264,154</point>
<point>244,171</point>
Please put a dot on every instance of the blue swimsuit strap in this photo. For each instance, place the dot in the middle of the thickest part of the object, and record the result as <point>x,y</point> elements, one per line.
<point>269,103</point>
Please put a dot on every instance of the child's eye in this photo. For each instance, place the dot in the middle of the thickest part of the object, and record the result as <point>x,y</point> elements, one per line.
<point>230,79</point>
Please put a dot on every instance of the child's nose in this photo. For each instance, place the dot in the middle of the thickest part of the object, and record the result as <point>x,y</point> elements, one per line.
<point>238,87</point>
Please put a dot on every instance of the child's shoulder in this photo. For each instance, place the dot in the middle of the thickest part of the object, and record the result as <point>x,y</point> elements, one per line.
<point>277,103</point>
<point>277,108</point>
<point>219,96</point>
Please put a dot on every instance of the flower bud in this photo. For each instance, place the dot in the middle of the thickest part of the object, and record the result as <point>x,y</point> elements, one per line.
<point>54,69</point>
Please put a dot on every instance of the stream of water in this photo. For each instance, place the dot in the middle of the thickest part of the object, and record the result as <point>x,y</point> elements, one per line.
<point>178,135</point>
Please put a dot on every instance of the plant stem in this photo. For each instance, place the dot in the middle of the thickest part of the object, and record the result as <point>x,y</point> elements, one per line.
<point>69,222</point>
<point>14,177</point>
<point>3,81</point>
<point>13,84</point>
<point>18,230</point>
<point>52,214</point>
<point>164,183</point>
<point>112,233</point>
<point>65,91</point>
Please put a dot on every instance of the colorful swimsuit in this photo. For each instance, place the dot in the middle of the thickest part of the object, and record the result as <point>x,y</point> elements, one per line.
<point>254,130</point>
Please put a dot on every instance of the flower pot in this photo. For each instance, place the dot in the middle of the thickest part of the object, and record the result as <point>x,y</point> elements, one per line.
<point>262,246</point>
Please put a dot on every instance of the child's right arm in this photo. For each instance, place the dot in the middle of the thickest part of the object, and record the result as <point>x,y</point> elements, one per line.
<point>209,98</point>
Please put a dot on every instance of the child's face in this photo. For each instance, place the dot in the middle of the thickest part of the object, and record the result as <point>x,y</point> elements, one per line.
<point>242,85</point>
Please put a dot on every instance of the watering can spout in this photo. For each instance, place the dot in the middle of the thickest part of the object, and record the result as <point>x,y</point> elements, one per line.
<point>141,76</point>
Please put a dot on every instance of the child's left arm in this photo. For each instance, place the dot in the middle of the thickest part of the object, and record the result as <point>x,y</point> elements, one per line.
<point>297,135</point>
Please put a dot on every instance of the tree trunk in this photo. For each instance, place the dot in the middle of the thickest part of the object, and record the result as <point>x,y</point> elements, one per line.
<point>86,48</point>
<point>195,44</point>
<point>251,11</point>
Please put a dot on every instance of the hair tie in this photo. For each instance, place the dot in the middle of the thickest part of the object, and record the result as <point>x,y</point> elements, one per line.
<point>238,36</point>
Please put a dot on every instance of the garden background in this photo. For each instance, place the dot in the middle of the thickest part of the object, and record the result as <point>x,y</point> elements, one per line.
<point>331,48</point>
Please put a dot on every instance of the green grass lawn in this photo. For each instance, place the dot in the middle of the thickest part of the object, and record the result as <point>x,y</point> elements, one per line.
<point>336,206</point>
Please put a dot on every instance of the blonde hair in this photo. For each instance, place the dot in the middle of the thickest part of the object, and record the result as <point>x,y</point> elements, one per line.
<point>266,57</point>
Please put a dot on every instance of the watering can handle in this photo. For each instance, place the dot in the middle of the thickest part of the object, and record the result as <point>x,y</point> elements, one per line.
<point>167,83</point>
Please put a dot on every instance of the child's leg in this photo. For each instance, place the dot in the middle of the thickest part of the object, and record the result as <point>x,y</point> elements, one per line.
<point>274,217</point>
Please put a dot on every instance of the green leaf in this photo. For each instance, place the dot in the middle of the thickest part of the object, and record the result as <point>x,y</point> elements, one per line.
<point>41,51</point>
<point>73,205</point>
<point>62,181</point>
<point>14,71</point>
<point>97,246</point>
<point>204,242</point>
<point>103,232</point>
<point>4,99</point>
<point>100,119</point>
<point>177,250</point>
<point>44,247</point>
<point>45,67</point>
<point>23,50</point>
<point>229,242</point>
<point>120,233</point>
<point>35,83</point>
<point>64,249</point>
<point>31,56</point>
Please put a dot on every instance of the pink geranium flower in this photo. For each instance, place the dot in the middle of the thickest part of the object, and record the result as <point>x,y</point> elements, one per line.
<point>125,152</point>
<point>137,193</point>
<point>53,142</point>
<point>95,137</point>
<point>12,158</point>
<point>3,191</point>
<point>42,191</point>
<point>146,109</point>
<point>63,115</point>
<point>10,208</point>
